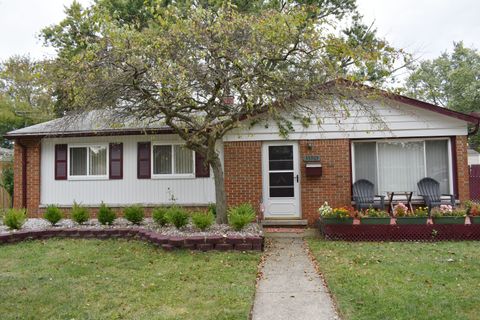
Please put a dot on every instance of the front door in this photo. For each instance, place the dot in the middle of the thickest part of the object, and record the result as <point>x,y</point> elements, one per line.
<point>281,180</point>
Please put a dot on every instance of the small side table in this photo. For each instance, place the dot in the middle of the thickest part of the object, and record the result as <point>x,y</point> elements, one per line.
<point>406,197</point>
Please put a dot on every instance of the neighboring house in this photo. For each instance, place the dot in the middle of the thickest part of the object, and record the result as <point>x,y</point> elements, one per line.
<point>473,157</point>
<point>84,161</point>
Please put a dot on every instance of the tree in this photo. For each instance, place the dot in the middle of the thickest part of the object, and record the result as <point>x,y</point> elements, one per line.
<point>452,81</point>
<point>25,94</point>
<point>188,64</point>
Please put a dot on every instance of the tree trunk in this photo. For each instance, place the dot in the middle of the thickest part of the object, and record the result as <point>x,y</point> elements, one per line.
<point>220,195</point>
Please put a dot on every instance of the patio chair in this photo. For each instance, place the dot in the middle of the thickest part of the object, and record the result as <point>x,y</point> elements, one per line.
<point>430,191</point>
<point>364,196</point>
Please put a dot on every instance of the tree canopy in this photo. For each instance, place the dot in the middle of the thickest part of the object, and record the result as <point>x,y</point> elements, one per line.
<point>25,97</point>
<point>204,67</point>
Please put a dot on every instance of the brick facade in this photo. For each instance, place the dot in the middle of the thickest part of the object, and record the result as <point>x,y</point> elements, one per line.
<point>334,185</point>
<point>31,199</point>
<point>243,172</point>
<point>463,173</point>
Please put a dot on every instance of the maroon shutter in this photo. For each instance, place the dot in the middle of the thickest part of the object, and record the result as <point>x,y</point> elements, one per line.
<point>116,160</point>
<point>61,161</point>
<point>143,158</point>
<point>202,170</point>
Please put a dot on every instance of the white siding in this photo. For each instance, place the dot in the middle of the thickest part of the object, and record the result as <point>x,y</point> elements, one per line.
<point>393,120</point>
<point>129,190</point>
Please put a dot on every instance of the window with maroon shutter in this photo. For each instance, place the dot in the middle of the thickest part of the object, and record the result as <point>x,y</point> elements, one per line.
<point>61,161</point>
<point>116,161</point>
<point>202,170</point>
<point>143,161</point>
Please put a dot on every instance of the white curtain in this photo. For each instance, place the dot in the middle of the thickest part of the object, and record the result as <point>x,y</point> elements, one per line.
<point>437,163</point>
<point>366,162</point>
<point>183,160</point>
<point>162,159</point>
<point>98,161</point>
<point>78,161</point>
<point>400,166</point>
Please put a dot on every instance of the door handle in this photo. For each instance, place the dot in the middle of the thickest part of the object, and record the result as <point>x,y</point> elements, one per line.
<point>297,178</point>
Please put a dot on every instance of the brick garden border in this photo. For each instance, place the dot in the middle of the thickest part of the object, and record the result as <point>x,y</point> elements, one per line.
<point>169,243</point>
<point>417,232</point>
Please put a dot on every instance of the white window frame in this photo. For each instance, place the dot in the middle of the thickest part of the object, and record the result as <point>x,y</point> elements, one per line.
<point>377,141</point>
<point>88,176</point>
<point>172,175</point>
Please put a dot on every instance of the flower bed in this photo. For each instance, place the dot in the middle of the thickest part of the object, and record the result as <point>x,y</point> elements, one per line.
<point>217,237</point>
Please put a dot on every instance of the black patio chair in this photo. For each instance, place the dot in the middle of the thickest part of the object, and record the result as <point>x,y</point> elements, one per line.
<point>430,191</point>
<point>364,196</point>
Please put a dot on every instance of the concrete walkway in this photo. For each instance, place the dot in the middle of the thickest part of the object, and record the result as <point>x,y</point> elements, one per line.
<point>290,288</point>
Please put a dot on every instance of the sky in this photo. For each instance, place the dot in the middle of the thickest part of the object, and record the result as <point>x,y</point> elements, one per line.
<point>425,28</point>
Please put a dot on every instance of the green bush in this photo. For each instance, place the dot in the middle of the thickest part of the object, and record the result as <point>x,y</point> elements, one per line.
<point>177,216</point>
<point>80,214</point>
<point>203,220</point>
<point>159,216</point>
<point>134,214</point>
<point>15,218</point>
<point>212,207</point>
<point>240,216</point>
<point>105,214</point>
<point>53,214</point>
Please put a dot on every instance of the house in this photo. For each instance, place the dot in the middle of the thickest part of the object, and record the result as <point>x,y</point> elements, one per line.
<point>60,161</point>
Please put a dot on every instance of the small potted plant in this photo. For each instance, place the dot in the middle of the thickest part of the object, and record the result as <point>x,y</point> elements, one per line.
<point>404,216</point>
<point>374,216</point>
<point>331,215</point>
<point>473,211</point>
<point>445,214</point>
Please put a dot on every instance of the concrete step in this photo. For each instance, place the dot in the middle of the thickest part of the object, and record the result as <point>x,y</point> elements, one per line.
<point>284,223</point>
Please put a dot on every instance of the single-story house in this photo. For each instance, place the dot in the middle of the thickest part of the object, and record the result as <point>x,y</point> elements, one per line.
<point>91,163</point>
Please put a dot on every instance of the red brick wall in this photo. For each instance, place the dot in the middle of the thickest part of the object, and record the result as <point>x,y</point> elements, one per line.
<point>463,174</point>
<point>32,147</point>
<point>334,185</point>
<point>243,172</point>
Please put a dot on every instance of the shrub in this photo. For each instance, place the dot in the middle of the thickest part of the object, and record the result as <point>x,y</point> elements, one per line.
<point>134,214</point>
<point>80,214</point>
<point>240,216</point>
<point>212,208</point>
<point>177,216</point>
<point>53,214</point>
<point>159,216</point>
<point>15,218</point>
<point>203,220</point>
<point>105,214</point>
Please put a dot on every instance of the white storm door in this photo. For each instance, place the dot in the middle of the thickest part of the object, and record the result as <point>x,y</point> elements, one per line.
<point>281,180</point>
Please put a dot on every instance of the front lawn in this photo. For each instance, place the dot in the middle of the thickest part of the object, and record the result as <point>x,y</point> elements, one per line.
<point>402,280</point>
<point>118,279</point>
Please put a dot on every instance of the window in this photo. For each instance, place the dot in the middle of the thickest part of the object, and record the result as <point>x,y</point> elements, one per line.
<point>397,165</point>
<point>88,161</point>
<point>172,160</point>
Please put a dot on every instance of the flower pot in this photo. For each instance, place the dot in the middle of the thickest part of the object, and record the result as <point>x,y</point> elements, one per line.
<point>375,220</point>
<point>337,220</point>
<point>475,219</point>
<point>412,220</point>
<point>449,220</point>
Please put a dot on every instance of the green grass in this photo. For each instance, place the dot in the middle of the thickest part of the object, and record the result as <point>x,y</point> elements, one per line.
<point>117,279</point>
<point>402,280</point>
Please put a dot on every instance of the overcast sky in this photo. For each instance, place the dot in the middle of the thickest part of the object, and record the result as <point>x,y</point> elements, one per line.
<point>423,27</point>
